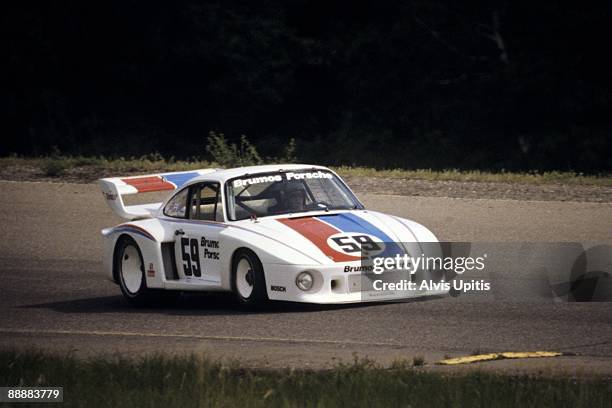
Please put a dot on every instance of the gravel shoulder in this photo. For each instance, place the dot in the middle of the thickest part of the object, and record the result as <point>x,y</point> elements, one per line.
<point>466,189</point>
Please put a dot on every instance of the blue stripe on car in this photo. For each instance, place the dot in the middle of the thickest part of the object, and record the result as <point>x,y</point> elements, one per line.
<point>348,222</point>
<point>179,179</point>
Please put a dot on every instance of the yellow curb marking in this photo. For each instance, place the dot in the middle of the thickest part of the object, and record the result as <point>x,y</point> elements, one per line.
<point>498,356</point>
<point>530,354</point>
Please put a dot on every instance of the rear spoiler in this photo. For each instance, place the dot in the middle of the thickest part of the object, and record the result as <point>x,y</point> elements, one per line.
<point>114,188</point>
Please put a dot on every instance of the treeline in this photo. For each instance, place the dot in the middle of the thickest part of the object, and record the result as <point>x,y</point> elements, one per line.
<point>414,84</point>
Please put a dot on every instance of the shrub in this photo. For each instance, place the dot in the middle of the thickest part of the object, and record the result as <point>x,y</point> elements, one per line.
<point>54,167</point>
<point>288,155</point>
<point>231,155</point>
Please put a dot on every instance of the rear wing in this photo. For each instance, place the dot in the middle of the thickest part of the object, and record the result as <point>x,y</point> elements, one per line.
<point>114,188</point>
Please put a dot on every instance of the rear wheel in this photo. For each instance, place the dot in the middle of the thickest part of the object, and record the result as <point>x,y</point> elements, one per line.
<point>131,273</point>
<point>248,281</point>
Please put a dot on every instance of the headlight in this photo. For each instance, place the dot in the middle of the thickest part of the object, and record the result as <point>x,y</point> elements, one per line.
<point>304,281</point>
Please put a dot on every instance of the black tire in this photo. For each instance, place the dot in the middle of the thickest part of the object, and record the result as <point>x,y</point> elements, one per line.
<point>258,294</point>
<point>138,294</point>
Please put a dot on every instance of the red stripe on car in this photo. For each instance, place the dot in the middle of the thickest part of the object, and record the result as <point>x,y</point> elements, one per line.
<point>149,183</point>
<point>317,232</point>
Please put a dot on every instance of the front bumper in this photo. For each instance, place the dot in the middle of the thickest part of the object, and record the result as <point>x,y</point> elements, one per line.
<point>333,285</point>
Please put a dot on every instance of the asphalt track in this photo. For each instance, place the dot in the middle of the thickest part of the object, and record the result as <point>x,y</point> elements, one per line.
<point>53,294</point>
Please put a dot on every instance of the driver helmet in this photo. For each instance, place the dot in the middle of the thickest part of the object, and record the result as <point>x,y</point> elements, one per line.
<point>294,198</point>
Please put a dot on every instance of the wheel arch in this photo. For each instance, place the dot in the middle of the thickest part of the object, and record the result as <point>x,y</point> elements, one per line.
<point>122,237</point>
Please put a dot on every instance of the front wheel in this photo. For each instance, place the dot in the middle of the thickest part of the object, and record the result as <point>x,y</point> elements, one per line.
<point>248,280</point>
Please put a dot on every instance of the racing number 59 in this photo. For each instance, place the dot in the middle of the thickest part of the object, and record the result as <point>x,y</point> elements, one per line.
<point>191,257</point>
<point>356,243</point>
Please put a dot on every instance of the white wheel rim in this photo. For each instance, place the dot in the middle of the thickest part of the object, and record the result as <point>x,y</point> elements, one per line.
<point>244,278</point>
<point>131,269</point>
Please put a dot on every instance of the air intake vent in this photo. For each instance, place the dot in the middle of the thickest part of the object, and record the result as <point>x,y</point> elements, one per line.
<point>169,261</point>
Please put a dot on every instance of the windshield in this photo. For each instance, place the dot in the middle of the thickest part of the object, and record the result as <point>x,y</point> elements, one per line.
<point>287,192</point>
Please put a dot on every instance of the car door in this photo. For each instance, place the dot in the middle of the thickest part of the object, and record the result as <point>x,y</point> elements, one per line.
<point>197,246</point>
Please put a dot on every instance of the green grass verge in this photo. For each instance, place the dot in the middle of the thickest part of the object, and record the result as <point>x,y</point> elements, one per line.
<point>191,381</point>
<point>60,165</point>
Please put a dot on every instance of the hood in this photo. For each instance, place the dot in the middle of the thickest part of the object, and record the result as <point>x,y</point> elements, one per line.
<point>332,238</point>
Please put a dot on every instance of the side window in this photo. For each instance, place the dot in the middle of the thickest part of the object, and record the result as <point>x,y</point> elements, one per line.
<point>206,203</point>
<point>177,206</point>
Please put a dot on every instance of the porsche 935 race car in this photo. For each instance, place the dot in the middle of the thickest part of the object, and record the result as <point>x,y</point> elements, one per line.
<point>273,232</point>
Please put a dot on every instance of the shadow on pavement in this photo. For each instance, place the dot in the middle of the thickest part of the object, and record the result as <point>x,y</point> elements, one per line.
<point>209,304</point>
<point>189,304</point>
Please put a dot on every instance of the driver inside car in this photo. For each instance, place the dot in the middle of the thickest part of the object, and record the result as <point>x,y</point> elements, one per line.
<point>291,200</point>
<point>295,200</point>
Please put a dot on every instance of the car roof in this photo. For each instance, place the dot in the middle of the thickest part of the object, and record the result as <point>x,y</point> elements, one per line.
<point>223,175</point>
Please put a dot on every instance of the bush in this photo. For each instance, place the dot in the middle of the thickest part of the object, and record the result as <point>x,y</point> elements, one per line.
<point>244,154</point>
<point>289,155</point>
<point>230,155</point>
<point>54,167</point>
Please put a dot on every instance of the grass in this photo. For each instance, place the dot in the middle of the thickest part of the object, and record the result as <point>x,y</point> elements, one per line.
<point>192,381</point>
<point>418,361</point>
<point>58,166</point>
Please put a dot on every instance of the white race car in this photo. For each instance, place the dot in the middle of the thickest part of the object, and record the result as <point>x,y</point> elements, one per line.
<point>278,232</point>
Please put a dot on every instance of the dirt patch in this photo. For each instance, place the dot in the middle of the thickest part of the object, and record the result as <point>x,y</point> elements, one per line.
<point>462,189</point>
